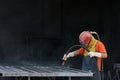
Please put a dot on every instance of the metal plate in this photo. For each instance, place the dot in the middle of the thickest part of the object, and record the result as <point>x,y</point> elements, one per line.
<point>42,71</point>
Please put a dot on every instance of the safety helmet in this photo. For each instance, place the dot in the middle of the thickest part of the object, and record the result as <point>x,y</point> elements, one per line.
<point>85,37</point>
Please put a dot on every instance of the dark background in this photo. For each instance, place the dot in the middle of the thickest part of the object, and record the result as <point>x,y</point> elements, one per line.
<point>43,30</point>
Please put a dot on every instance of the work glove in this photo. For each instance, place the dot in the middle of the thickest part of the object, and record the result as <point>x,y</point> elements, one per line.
<point>65,57</point>
<point>94,54</point>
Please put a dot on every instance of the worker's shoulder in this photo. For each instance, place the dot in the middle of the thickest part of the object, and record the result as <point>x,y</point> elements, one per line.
<point>99,44</point>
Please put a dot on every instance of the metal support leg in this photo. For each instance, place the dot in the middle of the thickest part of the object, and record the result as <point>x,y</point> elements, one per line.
<point>117,73</point>
<point>28,77</point>
<point>109,75</point>
<point>69,78</point>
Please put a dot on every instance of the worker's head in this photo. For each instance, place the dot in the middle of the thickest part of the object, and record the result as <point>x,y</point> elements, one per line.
<point>85,37</point>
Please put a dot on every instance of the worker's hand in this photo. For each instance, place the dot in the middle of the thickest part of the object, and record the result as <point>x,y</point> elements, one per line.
<point>65,57</point>
<point>94,54</point>
<point>91,54</point>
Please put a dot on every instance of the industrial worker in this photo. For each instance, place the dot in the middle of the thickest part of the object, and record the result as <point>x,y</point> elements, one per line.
<point>97,50</point>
